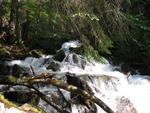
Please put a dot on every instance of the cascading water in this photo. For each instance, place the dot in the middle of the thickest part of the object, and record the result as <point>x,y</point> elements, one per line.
<point>121,93</point>
<point>113,85</point>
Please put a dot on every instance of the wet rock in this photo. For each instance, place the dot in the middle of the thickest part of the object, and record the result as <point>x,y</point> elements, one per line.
<point>59,56</point>
<point>76,81</point>
<point>35,53</point>
<point>18,71</point>
<point>124,105</point>
<point>4,88</point>
<point>77,60</point>
<point>31,109</point>
<point>53,65</point>
<point>4,68</point>
<point>5,53</point>
<point>22,97</point>
<point>9,107</point>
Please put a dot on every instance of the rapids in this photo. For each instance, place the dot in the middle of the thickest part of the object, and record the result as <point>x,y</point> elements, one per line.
<point>124,94</point>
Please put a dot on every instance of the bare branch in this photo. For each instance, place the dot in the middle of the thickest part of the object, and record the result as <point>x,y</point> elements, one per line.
<point>49,100</point>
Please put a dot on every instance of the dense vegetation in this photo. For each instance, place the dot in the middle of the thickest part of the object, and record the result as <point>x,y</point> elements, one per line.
<point>118,29</point>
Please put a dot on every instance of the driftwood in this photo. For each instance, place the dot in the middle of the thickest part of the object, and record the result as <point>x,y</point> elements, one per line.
<point>47,78</point>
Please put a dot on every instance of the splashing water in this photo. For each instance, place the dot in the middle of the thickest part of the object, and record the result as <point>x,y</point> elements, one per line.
<point>70,44</point>
<point>136,88</point>
<point>73,44</point>
<point>118,91</point>
<point>114,85</point>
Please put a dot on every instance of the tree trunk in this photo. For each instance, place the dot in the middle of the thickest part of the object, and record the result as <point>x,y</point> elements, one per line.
<point>14,24</point>
<point>18,27</point>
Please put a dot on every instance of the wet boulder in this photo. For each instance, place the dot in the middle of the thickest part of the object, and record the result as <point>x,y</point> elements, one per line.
<point>35,53</point>
<point>89,106</point>
<point>4,68</point>
<point>8,107</point>
<point>53,65</point>
<point>22,97</point>
<point>76,60</point>
<point>60,55</point>
<point>18,71</point>
<point>5,53</point>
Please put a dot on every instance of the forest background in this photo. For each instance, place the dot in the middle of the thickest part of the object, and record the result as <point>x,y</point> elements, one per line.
<point>116,29</point>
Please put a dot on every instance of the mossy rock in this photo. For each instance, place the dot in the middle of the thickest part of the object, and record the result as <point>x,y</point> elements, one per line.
<point>17,70</point>
<point>4,53</point>
<point>8,79</point>
<point>22,97</point>
<point>4,68</point>
<point>59,56</point>
<point>35,53</point>
<point>26,108</point>
<point>7,103</point>
<point>34,109</point>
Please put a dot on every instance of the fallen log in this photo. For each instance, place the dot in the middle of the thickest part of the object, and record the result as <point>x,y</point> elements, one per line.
<point>43,78</point>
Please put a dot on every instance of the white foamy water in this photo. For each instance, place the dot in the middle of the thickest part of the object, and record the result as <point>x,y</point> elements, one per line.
<point>136,88</point>
<point>73,44</point>
<point>109,86</point>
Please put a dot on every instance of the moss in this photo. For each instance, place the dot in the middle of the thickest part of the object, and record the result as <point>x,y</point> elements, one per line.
<point>26,107</point>
<point>4,53</point>
<point>11,79</point>
<point>29,107</point>
<point>7,103</point>
<point>8,79</point>
<point>35,53</point>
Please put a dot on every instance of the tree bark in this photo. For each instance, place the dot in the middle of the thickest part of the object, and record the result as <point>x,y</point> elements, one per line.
<point>17,24</point>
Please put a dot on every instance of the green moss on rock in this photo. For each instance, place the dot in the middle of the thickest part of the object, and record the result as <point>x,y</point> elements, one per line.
<point>27,108</point>
<point>35,53</point>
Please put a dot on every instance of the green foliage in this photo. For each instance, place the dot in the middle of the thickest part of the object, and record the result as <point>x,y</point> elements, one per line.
<point>136,21</point>
<point>87,21</point>
<point>84,15</point>
<point>99,24</point>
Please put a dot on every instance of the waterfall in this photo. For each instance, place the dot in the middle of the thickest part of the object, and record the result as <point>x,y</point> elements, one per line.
<point>122,93</point>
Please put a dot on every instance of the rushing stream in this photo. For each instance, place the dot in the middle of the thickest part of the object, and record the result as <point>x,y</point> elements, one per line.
<point>122,93</point>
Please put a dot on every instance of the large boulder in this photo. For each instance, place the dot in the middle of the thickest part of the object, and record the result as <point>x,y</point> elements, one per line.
<point>54,66</point>
<point>60,55</point>
<point>89,106</point>
<point>22,97</point>
<point>9,107</point>
<point>4,68</point>
<point>18,71</point>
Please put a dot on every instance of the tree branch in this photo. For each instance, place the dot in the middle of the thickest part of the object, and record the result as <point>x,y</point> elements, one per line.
<point>44,78</point>
<point>48,100</point>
